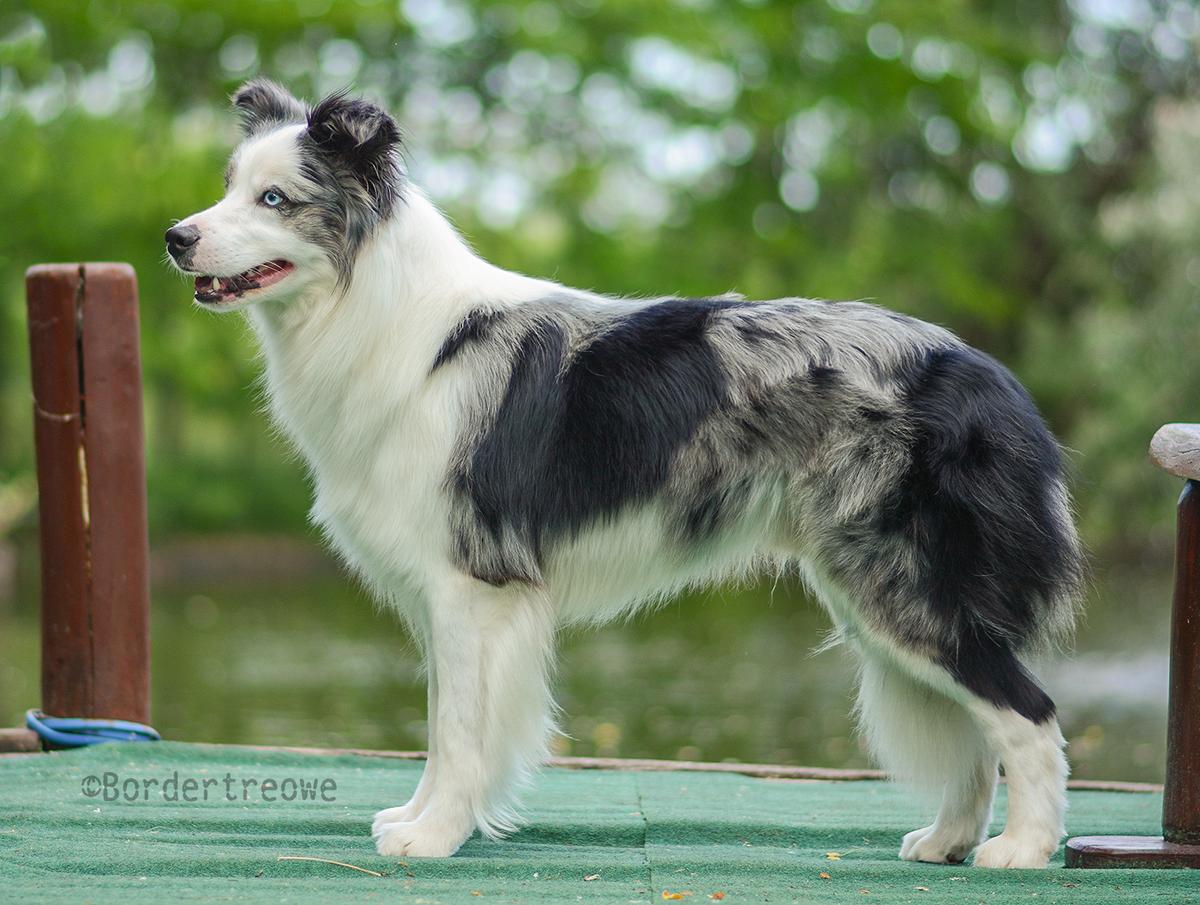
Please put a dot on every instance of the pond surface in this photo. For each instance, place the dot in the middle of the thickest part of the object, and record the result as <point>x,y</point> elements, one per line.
<point>724,675</point>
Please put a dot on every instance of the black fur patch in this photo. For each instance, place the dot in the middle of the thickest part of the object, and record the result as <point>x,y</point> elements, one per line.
<point>976,503</point>
<point>822,375</point>
<point>363,141</point>
<point>475,327</point>
<point>754,332</point>
<point>977,494</point>
<point>262,104</point>
<point>351,153</point>
<point>991,670</point>
<point>713,506</point>
<point>576,439</point>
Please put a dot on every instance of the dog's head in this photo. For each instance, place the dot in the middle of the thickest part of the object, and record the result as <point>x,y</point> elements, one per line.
<point>303,191</point>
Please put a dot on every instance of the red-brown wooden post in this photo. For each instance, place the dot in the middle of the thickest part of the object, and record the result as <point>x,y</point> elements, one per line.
<point>87,412</point>
<point>1175,449</point>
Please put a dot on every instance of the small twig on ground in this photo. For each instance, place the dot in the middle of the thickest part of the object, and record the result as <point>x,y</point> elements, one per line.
<point>373,873</point>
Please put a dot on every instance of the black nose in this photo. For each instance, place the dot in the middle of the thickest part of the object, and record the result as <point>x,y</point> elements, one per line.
<point>181,237</point>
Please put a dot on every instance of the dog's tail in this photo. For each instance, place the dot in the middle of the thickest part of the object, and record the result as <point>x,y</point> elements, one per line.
<point>985,504</point>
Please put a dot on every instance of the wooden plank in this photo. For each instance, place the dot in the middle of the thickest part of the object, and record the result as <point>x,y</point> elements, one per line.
<point>20,740</point>
<point>1129,852</point>
<point>648,765</point>
<point>53,295</point>
<point>114,443</point>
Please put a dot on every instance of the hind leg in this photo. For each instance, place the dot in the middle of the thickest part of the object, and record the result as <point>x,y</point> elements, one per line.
<point>1036,772</point>
<point>930,740</point>
<point>1016,722</point>
<point>962,820</point>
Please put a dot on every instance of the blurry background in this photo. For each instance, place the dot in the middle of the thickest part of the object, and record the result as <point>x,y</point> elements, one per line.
<point>1024,172</point>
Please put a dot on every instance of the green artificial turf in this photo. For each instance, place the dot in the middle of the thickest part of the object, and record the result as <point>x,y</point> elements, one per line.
<point>601,836</point>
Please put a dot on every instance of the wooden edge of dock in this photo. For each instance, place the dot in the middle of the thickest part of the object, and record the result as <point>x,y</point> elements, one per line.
<point>29,744</point>
<point>19,740</point>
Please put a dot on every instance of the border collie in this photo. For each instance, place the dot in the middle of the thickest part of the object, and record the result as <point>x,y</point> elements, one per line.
<point>497,456</point>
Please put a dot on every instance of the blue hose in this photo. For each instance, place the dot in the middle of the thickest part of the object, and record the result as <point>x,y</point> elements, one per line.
<point>75,732</point>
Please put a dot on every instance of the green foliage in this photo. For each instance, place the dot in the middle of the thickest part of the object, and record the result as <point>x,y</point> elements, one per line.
<point>949,160</point>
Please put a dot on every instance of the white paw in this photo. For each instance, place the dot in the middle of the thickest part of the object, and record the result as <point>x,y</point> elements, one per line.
<point>426,837</point>
<point>911,839</point>
<point>1011,851</point>
<point>936,846</point>
<point>394,815</point>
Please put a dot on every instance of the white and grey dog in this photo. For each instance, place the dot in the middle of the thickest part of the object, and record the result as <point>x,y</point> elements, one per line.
<point>523,455</point>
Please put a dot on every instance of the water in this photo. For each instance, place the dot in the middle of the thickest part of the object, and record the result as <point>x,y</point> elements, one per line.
<point>728,675</point>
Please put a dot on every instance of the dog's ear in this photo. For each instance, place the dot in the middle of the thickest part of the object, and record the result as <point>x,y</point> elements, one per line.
<point>261,102</point>
<point>360,138</point>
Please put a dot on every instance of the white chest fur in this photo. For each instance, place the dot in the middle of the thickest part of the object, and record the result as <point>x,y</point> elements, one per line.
<point>349,381</point>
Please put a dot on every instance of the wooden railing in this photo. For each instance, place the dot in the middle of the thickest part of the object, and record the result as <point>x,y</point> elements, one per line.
<point>1176,450</point>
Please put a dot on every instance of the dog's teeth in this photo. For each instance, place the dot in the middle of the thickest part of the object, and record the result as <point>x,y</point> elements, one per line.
<point>216,285</point>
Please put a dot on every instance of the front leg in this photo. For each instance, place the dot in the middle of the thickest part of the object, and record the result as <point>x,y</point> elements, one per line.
<point>412,809</point>
<point>489,654</point>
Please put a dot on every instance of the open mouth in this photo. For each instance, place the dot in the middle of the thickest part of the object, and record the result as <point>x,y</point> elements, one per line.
<point>214,290</point>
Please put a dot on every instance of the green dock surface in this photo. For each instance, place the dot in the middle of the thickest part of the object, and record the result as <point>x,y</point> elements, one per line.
<point>605,836</point>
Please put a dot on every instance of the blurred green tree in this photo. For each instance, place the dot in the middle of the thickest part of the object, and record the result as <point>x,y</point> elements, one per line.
<point>950,160</point>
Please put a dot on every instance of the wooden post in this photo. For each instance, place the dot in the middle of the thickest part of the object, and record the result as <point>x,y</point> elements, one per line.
<point>1175,449</point>
<point>87,412</point>
<point>1181,793</point>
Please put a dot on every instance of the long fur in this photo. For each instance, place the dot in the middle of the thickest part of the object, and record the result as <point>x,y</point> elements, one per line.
<point>525,455</point>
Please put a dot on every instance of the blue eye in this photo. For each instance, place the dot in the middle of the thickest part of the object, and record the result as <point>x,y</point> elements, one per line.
<point>271,198</point>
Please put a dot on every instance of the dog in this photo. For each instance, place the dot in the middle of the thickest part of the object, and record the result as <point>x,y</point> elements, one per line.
<point>498,456</point>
